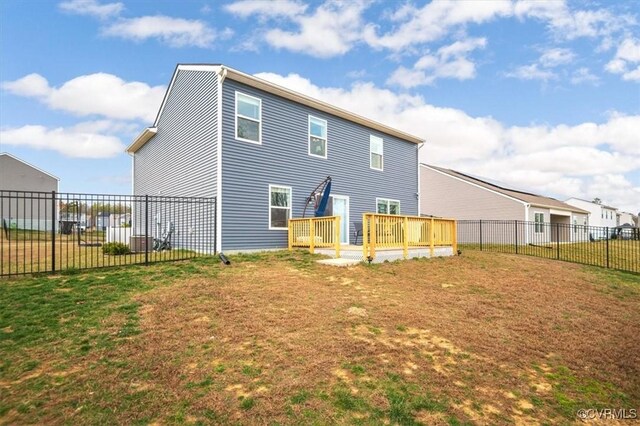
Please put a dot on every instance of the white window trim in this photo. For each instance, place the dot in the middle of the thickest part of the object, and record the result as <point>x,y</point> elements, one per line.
<point>381,169</point>
<point>259,141</point>
<point>326,139</point>
<point>535,223</point>
<point>290,205</point>
<point>378,199</point>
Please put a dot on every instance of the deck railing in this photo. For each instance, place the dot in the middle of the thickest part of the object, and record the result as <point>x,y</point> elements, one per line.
<point>315,232</point>
<point>402,232</point>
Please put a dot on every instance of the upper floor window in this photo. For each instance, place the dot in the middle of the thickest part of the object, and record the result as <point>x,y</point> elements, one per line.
<point>376,152</point>
<point>386,206</point>
<point>279,206</point>
<point>248,118</point>
<point>317,137</point>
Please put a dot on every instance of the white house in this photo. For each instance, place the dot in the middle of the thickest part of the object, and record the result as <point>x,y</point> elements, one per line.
<point>599,214</point>
<point>627,218</point>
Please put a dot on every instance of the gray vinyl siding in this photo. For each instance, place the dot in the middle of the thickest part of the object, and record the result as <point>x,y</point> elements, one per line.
<point>282,159</point>
<point>25,210</point>
<point>445,196</point>
<point>181,159</point>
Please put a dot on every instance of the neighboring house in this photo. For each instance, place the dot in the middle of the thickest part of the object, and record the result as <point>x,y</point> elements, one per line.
<point>24,188</point>
<point>261,149</point>
<point>101,221</point>
<point>451,194</point>
<point>119,220</point>
<point>626,218</point>
<point>600,214</point>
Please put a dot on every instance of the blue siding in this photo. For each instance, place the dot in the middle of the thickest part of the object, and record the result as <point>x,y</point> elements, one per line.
<point>282,159</point>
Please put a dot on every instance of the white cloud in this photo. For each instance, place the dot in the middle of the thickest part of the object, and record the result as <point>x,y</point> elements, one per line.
<point>583,75</point>
<point>100,94</point>
<point>176,32</point>
<point>561,160</point>
<point>92,8</point>
<point>531,72</point>
<point>449,62</point>
<point>627,60</point>
<point>556,56</point>
<point>571,24</point>
<point>331,30</point>
<point>266,9</point>
<point>434,21</point>
<point>77,142</point>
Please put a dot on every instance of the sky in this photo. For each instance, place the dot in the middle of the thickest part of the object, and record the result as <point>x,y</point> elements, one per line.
<point>542,96</point>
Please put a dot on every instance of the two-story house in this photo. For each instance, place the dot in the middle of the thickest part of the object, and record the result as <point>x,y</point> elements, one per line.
<point>599,214</point>
<point>260,149</point>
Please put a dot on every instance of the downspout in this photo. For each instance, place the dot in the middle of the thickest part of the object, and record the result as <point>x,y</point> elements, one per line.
<point>526,226</point>
<point>419,193</point>
<point>222,75</point>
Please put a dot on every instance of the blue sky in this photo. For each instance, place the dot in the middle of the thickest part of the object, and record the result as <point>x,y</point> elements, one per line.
<point>542,96</point>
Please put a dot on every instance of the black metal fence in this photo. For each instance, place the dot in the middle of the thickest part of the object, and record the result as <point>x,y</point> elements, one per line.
<point>52,231</point>
<point>616,248</point>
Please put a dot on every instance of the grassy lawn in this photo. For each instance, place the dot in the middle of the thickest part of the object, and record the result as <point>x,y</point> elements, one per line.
<point>278,339</point>
<point>26,253</point>
<point>622,254</point>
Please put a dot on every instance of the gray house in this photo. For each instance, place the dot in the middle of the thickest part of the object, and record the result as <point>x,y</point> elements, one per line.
<point>23,189</point>
<point>448,193</point>
<point>261,149</point>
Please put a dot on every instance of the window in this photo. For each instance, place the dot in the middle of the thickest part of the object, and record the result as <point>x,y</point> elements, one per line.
<point>538,219</point>
<point>385,206</point>
<point>376,154</point>
<point>317,137</point>
<point>248,118</point>
<point>279,206</point>
<point>575,225</point>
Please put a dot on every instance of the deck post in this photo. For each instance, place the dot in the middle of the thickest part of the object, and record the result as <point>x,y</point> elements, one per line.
<point>432,237</point>
<point>337,235</point>
<point>405,236</point>
<point>454,237</point>
<point>374,232</point>
<point>312,237</point>
<point>365,236</point>
<point>290,237</point>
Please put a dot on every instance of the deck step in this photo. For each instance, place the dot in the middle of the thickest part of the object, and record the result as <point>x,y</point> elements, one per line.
<point>339,262</point>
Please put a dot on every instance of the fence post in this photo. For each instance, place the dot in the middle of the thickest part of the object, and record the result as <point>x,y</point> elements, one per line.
<point>337,235</point>
<point>405,235</point>
<point>373,229</point>
<point>215,225</point>
<point>146,229</point>
<point>53,231</point>
<point>431,238</point>
<point>365,236</point>
<point>516,236</point>
<point>312,237</point>
<point>606,238</point>
<point>455,237</point>
<point>558,241</point>
<point>480,234</point>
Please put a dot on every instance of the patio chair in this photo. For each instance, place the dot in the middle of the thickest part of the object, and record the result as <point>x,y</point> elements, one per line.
<point>357,232</point>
